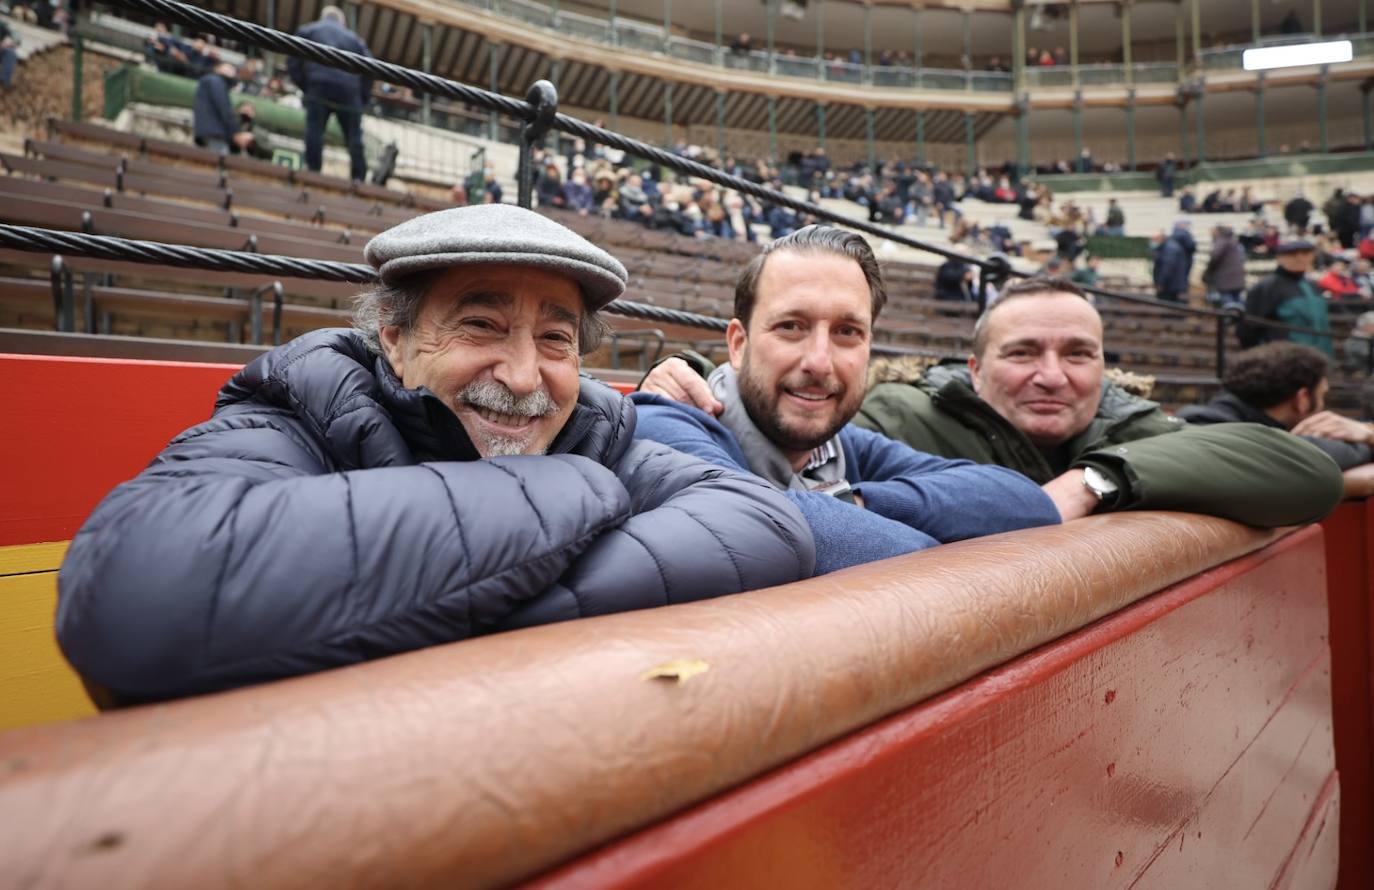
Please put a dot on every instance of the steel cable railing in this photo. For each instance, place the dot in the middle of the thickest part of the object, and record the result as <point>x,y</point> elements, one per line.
<point>540,114</point>
<point>106,247</point>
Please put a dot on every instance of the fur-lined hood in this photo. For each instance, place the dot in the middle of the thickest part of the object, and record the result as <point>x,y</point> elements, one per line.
<point>936,373</point>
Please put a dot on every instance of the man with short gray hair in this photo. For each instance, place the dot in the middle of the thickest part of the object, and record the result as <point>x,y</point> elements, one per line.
<point>441,472</point>
<point>331,91</point>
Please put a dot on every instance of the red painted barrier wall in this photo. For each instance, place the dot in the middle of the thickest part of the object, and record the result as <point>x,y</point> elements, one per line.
<point>1349,551</point>
<point>1182,742</point>
<point>77,427</point>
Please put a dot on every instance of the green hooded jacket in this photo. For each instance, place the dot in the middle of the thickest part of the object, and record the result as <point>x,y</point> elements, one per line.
<point>1246,472</point>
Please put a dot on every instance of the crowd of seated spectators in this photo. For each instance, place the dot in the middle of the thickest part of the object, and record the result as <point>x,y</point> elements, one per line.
<point>592,181</point>
<point>1219,201</point>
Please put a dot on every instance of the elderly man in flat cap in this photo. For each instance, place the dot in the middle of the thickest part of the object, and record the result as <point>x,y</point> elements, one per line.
<point>441,472</point>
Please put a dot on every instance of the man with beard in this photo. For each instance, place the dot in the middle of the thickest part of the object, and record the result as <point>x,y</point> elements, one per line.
<point>440,472</point>
<point>799,345</point>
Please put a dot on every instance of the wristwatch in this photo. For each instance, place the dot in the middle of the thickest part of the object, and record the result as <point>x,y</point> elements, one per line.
<point>839,489</point>
<point>1098,483</point>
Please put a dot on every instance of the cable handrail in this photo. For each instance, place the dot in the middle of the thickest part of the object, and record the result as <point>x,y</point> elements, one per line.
<point>208,259</point>
<point>539,111</point>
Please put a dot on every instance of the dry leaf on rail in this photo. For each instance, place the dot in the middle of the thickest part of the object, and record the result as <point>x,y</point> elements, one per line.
<point>681,670</point>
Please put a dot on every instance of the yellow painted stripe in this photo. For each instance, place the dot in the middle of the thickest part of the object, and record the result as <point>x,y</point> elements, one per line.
<point>36,683</point>
<point>23,558</point>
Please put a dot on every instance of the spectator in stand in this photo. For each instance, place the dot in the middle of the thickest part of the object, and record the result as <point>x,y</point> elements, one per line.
<point>1363,274</point>
<point>887,206</point>
<point>493,193</point>
<point>1165,173</point>
<point>1284,386</point>
<point>742,45</point>
<point>250,146</point>
<point>250,78</point>
<point>9,56</point>
<point>1116,220</point>
<point>1338,283</point>
<point>1291,24</point>
<point>799,347</point>
<point>1187,201</point>
<point>1085,161</point>
<point>1055,267</point>
<point>440,473</point>
<point>167,53</point>
<point>1225,272</point>
<point>548,189</point>
<point>716,224</point>
<point>954,281</point>
<point>1288,297</point>
<point>577,195</point>
<point>943,197</point>
<point>1345,220</point>
<point>605,194</point>
<point>1174,263</point>
<point>739,215</point>
<point>329,91</point>
<point>1298,213</point>
<point>1356,349</point>
<point>1089,274</point>
<point>633,197</point>
<point>215,125</point>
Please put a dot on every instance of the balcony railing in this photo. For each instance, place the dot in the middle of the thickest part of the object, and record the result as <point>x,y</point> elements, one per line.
<point>653,39</point>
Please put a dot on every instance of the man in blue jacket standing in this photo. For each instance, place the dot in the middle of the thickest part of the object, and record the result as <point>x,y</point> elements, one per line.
<point>799,346</point>
<point>438,473</point>
<point>331,91</point>
<point>1174,264</point>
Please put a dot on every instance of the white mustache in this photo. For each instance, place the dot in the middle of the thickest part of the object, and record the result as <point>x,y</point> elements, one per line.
<point>493,396</point>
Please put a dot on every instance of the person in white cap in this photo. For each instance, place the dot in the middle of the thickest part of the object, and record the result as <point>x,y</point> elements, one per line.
<point>440,472</point>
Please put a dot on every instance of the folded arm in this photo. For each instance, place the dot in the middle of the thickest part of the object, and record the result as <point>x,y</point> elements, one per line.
<point>950,500</point>
<point>844,533</point>
<point>1243,471</point>
<point>211,571</point>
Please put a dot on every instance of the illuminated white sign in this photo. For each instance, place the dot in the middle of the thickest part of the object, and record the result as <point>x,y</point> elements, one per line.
<point>1328,53</point>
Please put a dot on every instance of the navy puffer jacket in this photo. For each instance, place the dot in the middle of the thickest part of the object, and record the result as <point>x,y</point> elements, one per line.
<point>326,515</point>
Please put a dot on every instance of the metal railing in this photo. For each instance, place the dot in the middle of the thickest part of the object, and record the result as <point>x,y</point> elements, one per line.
<point>540,115</point>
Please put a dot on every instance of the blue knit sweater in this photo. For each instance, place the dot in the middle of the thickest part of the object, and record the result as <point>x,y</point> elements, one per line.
<point>912,500</point>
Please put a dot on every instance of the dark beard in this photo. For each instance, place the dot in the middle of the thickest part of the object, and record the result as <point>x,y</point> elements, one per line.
<point>762,407</point>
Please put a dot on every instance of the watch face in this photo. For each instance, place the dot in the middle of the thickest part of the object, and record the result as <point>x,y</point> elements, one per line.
<point>1098,483</point>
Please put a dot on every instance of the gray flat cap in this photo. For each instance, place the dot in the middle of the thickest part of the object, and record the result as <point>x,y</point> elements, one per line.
<point>496,233</point>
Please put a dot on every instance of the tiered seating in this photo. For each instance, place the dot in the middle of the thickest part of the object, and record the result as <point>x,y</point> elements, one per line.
<point>95,179</point>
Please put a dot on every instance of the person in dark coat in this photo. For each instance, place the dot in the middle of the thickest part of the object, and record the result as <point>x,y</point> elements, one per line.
<point>1345,220</point>
<point>1165,173</point>
<point>9,55</point>
<point>954,281</point>
<point>1298,213</point>
<point>1288,297</point>
<point>1174,263</point>
<point>1284,385</point>
<point>215,124</point>
<point>439,473</point>
<point>331,91</point>
<point>1225,272</point>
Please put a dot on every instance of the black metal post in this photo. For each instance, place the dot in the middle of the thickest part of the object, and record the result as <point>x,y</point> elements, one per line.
<point>1221,345</point>
<point>544,98</point>
<point>62,303</point>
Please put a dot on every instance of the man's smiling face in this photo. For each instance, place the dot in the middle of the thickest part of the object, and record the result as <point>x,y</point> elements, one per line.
<point>498,345</point>
<point>802,360</point>
<point>1041,365</point>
